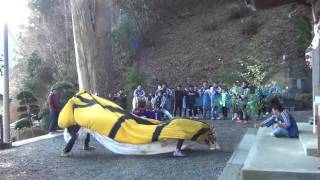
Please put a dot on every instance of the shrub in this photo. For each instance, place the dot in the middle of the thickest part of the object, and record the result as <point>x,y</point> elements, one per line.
<point>44,116</point>
<point>27,104</point>
<point>37,75</point>
<point>255,63</point>
<point>125,39</point>
<point>23,123</point>
<point>133,78</point>
<point>227,75</point>
<point>304,101</point>
<point>31,132</point>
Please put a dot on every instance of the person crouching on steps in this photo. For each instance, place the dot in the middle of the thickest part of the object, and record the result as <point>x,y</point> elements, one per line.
<point>282,122</point>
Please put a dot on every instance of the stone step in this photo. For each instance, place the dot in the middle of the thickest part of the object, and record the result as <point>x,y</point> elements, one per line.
<point>308,139</point>
<point>273,158</point>
<point>235,163</point>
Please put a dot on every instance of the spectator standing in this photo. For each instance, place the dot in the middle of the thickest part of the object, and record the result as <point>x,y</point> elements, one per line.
<point>159,88</point>
<point>178,100</point>
<point>159,104</point>
<point>215,101</point>
<point>242,103</point>
<point>235,91</point>
<point>138,95</point>
<point>224,103</point>
<point>275,90</point>
<point>54,107</point>
<point>184,103</point>
<point>169,94</point>
<point>139,92</point>
<point>190,101</point>
<point>198,102</point>
<point>206,103</point>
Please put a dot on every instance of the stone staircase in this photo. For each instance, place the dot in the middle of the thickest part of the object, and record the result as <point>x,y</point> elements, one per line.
<point>260,156</point>
<point>235,163</point>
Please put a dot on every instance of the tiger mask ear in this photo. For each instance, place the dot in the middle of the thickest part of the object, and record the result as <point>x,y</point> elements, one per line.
<point>212,130</point>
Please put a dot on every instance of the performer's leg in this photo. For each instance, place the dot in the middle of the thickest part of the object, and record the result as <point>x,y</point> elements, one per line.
<point>86,142</point>
<point>87,147</point>
<point>70,144</point>
<point>179,144</point>
<point>177,152</point>
<point>73,133</point>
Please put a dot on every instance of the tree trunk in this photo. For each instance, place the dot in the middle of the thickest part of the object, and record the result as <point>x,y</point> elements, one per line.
<point>92,23</point>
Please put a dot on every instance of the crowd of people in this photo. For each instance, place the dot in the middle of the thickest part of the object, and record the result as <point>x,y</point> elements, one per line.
<point>206,101</point>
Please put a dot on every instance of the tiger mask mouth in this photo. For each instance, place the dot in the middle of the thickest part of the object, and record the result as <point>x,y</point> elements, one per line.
<point>211,140</point>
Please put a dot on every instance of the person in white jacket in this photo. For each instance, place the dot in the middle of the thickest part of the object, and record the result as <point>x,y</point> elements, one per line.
<point>159,104</point>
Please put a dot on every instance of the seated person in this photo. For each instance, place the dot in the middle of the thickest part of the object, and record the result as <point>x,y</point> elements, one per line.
<point>283,124</point>
<point>140,109</point>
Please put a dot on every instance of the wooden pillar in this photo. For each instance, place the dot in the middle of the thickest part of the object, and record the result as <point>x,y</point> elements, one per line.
<point>315,55</point>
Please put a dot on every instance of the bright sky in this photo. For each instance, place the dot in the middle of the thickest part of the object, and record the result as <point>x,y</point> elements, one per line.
<point>15,13</point>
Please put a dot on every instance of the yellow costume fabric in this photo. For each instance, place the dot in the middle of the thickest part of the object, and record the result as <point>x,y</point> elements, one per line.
<point>108,119</point>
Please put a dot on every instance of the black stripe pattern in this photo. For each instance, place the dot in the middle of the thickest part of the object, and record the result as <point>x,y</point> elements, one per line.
<point>199,133</point>
<point>157,132</point>
<point>116,127</point>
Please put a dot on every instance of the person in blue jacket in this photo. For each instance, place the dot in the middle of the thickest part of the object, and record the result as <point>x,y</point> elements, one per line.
<point>282,123</point>
<point>206,100</point>
<point>215,91</point>
<point>275,89</point>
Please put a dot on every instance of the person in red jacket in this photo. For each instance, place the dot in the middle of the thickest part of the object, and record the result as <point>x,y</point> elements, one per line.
<point>54,107</point>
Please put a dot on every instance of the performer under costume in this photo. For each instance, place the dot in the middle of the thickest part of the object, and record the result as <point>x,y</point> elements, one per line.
<point>124,133</point>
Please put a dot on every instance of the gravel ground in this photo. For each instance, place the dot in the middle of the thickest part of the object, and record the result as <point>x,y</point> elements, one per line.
<point>41,160</point>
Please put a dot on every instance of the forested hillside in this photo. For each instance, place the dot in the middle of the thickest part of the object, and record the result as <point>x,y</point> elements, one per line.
<point>178,42</point>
